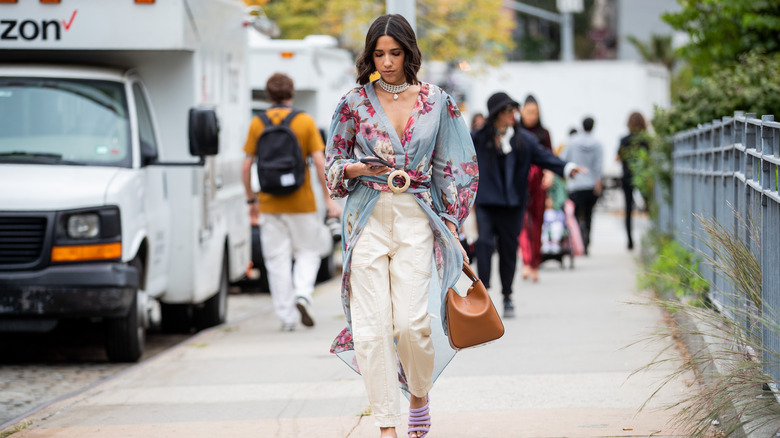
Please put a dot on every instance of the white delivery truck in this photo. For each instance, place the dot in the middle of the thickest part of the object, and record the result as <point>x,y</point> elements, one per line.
<point>121,125</point>
<point>322,74</point>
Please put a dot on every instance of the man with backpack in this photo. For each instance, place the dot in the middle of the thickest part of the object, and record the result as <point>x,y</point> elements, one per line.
<point>285,209</point>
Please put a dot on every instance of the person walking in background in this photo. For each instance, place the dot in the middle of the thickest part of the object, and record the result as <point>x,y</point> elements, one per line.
<point>289,224</point>
<point>562,146</point>
<point>585,189</point>
<point>477,122</point>
<point>505,153</point>
<point>627,157</point>
<point>538,182</point>
<point>402,152</point>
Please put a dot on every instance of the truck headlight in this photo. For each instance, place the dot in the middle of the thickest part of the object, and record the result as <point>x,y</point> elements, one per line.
<point>87,235</point>
<point>83,226</point>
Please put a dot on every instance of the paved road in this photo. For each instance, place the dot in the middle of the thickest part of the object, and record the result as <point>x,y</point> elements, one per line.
<point>560,370</point>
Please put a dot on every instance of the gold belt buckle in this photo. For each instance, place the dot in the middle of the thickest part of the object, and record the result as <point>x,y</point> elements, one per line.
<point>402,173</point>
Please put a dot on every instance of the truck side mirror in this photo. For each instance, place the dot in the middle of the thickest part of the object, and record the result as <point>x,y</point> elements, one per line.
<point>204,132</point>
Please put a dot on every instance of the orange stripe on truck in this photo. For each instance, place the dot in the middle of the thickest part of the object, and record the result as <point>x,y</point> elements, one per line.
<point>78,253</point>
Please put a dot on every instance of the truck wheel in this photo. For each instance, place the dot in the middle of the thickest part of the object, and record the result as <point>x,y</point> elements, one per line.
<point>125,336</point>
<point>214,310</point>
<point>176,318</point>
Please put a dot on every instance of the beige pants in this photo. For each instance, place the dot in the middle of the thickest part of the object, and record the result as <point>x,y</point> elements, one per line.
<point>391,275</point>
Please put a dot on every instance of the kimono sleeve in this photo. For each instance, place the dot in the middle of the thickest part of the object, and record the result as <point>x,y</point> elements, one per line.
<point>455,171</point>
<point>339,151</point>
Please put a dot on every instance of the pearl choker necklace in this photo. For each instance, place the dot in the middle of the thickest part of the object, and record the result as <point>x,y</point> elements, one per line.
<point>393,89</point>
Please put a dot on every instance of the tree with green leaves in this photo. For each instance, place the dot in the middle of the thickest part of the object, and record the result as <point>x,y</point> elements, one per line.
<point>722,30</point>
<point>751,86</point>
<point>732,58</point>
<point>448,30</point>
<point>734,53</point>
<point>657,50</point>
<point>295,18</point>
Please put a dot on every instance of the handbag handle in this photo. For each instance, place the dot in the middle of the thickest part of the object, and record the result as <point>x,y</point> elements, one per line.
<point>470,273</point>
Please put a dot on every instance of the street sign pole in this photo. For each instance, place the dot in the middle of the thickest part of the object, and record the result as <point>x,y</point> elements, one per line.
<point>568,7</point>
<point>567,37</point>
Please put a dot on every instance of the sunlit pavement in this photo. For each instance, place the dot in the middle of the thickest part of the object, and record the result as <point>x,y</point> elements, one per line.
<point>561,370</point>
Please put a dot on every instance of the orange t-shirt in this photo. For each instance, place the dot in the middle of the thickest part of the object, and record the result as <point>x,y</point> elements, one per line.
<point>302,125</point>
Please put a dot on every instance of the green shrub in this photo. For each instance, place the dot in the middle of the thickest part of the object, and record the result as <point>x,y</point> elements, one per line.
<point>674,268</point>
<point>732,358</point>
<point>751,85</point>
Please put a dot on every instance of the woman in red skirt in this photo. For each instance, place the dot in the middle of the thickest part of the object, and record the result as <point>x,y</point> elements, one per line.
<point>531,236</point>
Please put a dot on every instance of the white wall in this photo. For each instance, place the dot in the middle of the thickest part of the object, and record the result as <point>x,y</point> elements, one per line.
<point>567,92</point>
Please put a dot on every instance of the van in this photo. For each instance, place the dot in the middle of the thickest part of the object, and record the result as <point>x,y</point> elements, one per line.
<point>121,126</point>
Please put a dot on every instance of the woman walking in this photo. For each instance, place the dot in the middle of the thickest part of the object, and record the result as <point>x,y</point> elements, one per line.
<point>402,152</point>
<point>539,181</point>
<point>626,155</point>
<point>505,153</point>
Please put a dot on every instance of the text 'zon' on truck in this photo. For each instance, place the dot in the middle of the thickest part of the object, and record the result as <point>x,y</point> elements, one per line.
<point>121,125</point>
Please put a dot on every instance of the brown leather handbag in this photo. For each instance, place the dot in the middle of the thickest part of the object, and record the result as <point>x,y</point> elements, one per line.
<point>472,320</point>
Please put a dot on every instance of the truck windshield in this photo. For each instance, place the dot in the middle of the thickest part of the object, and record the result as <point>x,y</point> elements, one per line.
<point>64,121</point>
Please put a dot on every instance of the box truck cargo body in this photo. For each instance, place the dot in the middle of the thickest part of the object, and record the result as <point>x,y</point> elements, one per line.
<point>121,126</point>
<point>322,73</point>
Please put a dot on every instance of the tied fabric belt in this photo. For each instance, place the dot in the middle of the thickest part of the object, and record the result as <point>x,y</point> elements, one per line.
<point>399,181</point>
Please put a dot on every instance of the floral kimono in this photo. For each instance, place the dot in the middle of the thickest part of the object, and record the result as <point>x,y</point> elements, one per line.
<point>437,153</point>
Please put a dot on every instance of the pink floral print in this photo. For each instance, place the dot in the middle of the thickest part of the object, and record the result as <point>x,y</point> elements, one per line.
<point>435,150</point>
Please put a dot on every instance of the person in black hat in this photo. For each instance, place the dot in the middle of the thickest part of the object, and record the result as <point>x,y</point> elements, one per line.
<point>505,153</point>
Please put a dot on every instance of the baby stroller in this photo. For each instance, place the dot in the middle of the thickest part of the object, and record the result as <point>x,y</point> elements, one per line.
<point>561,235</point>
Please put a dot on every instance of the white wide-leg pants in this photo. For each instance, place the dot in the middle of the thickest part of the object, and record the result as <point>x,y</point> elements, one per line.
<point>286,237</point>
<point>391,275</point>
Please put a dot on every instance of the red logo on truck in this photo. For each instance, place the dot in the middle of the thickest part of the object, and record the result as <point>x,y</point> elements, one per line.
<point>30,30</point>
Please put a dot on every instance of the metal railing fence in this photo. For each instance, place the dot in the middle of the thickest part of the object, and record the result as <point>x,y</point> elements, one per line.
<point>723,170</point>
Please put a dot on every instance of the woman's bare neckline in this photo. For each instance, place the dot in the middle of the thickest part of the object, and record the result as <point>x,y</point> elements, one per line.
<point>395,109</point>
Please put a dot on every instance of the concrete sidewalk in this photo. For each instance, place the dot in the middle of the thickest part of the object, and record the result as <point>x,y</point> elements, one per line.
<point>559,371</point>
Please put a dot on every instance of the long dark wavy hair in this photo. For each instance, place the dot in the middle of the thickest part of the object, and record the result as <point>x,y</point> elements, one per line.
<point>395,26</point>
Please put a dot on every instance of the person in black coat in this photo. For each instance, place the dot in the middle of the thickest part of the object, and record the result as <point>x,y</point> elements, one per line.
<point>505,152</point>
<point>626,155</point>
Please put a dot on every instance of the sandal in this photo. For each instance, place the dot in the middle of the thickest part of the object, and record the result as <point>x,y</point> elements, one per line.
<point>420,417</point>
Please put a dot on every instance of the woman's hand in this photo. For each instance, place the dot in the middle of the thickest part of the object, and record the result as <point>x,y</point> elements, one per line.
<point>454,231</point>
<point>464,253</point>
<point>334,209</point>
<point>577,170</point>
<point>355,170</point>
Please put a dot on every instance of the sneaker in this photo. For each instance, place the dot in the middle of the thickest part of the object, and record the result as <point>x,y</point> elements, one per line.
<point>509,308</point>
<point>305,309</point>
<point>288,327</point>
